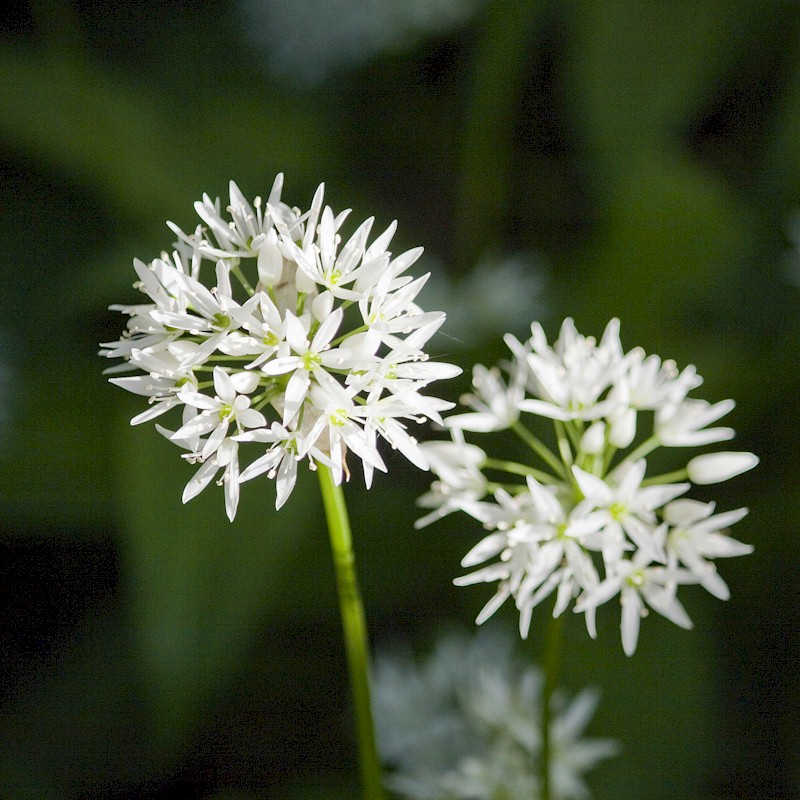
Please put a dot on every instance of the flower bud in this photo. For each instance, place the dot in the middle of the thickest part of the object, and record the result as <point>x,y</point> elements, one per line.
<point>322,306</point>
<point>594,438</point>
<point>623,428</point>
<point>718,467</point>
<point>270,261</point>
<point>304,283</point>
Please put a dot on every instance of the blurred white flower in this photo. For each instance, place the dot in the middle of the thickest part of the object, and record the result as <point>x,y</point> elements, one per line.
<point>588,523</point>
<point>496,294</point>
<point>464,724</point>
<point>310,40</point>
<point>276,350</point>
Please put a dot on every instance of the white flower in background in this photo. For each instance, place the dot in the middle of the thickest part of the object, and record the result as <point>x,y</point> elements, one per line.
<point>310,40</point>
<point>586,522</point>
<point>479,303</point>
<point>278,351</point>
<point>465,724</point>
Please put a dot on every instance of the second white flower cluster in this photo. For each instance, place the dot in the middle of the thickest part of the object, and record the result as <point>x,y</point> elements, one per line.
<point>589,525</point>
<point>263,327</point>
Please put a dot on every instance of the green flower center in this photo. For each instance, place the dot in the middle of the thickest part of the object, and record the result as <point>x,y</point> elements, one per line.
<point>220,320</point>
<point>311,361</point>
<point>617,510</point>
<point>635,579</point>
<point>338,417</point>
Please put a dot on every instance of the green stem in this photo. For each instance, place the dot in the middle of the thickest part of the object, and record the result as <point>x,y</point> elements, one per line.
<point>511,488</point>
<point>240,276</point>
<point>667,477</point>
<point>519,469</point>
<point>644,449</point>
<point>563,444</point>
<point>540,449</point>
<point>551,664</point>
<point>355,630</point>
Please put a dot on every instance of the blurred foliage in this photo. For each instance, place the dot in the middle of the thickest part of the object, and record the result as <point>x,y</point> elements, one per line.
<point>647,153</point>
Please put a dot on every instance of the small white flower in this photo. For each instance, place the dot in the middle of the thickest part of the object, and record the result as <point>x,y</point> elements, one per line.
<point>696,536</point>
<point>629,507</point>
<point>572,376</point>
<point>225,457</point>
<point>461,483</point>
<point>309,357</point>
<point>217,413</point>
<point>684,424</point>
<point>496,405</point>
<point>638,583</point>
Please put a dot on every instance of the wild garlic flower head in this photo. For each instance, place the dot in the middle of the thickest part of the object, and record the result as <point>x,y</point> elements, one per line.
<point>587,523</point>
<point>266,327</point>
<point>465,724</point>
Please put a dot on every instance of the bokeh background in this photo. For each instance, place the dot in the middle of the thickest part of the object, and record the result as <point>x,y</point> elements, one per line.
<point>592,159</point>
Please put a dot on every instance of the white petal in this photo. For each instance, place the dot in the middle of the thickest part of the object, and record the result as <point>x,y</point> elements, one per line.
<point>286,478</point>
<point>592,487</point>
<point>244,382</point>
<point>223,385</point>
<point>502,595</point>
<point>487,548</point>
<point>295,394</point>
<point>200,480</point>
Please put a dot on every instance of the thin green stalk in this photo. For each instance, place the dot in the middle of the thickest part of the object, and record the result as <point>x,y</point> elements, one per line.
<point>355,630</point>
<point>551,664</point>
<point>644,449</point>
<point>563,444</point>
<point>540,449</point>
<point>519,469</point>
<point>667,477</point>
<point>240,276</point>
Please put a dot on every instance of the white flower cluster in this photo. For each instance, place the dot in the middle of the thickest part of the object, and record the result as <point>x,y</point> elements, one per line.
<point>304,345</point>
<point>593,526</point>
<point>465,725</point>
<point>309,40</point>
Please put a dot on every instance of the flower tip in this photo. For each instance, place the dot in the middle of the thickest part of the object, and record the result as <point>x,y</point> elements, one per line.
<point>718,467</point>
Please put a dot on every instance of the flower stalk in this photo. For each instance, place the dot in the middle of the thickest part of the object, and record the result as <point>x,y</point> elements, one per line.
<point>355,630</point>
<point>551,664</point>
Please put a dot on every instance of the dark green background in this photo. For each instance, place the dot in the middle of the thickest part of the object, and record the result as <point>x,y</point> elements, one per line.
<point>643,157</point>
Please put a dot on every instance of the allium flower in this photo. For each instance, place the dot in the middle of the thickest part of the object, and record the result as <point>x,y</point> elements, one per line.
<point>589,524</point>
<point>310,40</point>
<point>465,725</point>
<point>263,328</point>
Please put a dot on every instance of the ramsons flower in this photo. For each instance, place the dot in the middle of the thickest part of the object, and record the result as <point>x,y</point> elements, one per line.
<point>465,724</point>
<point>586,521</point>
<point>264,329</point>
